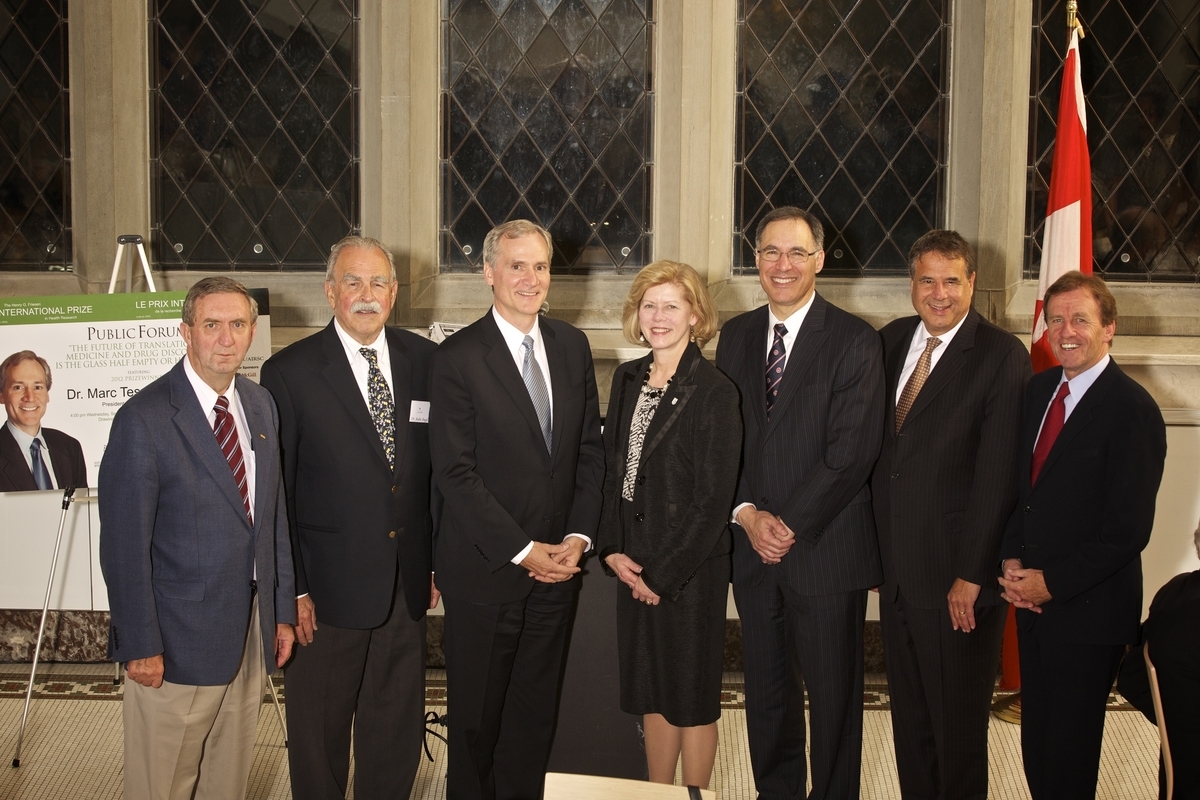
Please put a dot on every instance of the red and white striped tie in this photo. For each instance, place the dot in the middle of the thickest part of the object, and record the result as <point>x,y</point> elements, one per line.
<point>227,439</point>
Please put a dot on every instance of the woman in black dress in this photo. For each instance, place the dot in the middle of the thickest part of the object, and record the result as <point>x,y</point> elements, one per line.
<point>672,442</point>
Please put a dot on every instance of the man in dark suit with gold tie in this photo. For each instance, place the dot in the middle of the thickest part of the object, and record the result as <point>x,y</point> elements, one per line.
<point>1092,453</point>
<point>943,488</point>
<point>805,552</point>
<point>33,457</point>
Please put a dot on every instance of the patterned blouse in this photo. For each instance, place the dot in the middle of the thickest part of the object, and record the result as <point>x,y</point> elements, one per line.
<point>643,412</point>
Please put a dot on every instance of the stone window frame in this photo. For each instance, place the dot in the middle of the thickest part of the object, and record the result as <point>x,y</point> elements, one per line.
<point>696,56</point>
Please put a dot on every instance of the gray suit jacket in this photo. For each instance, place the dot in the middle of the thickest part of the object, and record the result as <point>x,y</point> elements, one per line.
<point>176,549</point>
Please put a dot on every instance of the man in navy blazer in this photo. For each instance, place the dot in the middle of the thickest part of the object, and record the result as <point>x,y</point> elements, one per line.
<point>522,501</point>
<point>1092,454</point>
<point>943,489</point>
<point>194,549</point>
<point>26,386</point>
<point>354,409</point>
<point>804,546</point>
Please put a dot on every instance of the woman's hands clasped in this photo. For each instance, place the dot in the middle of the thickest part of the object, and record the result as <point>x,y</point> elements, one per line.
<point>630,573</point>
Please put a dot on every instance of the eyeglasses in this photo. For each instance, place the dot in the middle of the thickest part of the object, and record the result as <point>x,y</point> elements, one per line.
<point>795,257</point>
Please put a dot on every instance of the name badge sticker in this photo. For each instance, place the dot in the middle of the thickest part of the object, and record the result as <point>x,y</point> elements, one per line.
<point>419,411</point>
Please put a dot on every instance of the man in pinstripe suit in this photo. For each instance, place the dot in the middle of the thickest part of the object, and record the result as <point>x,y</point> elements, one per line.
<point>944,486</point>
<point>805,552</point>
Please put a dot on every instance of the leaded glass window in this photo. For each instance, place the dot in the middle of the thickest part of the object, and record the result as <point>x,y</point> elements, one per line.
<point>1140,61</point>
<point>35,141</point>
<point>255,124</point>
<point>841,110</point>
<point>547,110</point>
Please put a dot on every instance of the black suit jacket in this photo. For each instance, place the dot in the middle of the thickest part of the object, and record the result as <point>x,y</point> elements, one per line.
<point>502,489</point>
<point>944,487</point>
<point>811,463</point>
<point>65,454</point>
<point>1088,518</point>
<point>687,472</point>
<point>353,520</point>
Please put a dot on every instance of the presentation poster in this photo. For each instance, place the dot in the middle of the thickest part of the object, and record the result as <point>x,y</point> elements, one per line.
<point>103,349</point>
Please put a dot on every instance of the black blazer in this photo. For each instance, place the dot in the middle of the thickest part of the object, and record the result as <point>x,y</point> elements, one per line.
<point>811,463</point>
<point>65,454</point>
<point>352,518</point>
<point>687,473</point>
<point>501,487</point>
<point>944,487</point>
<point>1089,517</point>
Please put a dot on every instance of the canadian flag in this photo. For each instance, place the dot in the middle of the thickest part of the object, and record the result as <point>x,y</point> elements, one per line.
<point>1067,238</point>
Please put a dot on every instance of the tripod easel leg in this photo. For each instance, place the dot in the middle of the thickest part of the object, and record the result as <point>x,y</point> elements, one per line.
<point>37,649</point>
<point>278,710</point>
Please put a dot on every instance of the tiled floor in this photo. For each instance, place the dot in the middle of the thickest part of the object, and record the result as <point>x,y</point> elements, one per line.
<point>72,747</point>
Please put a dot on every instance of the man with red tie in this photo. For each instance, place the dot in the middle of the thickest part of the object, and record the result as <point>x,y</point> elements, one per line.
<point>1092,457</point>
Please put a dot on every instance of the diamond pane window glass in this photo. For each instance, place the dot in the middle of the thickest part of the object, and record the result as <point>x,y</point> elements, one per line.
<point>255,132</point>
<point>1140,62</point>
<point>35,140</point>
<point>841,110</point>
<point>547,108</point>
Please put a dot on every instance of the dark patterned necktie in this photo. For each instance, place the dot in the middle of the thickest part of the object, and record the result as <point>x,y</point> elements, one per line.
<point>915,381</point>
<point>227,439</point>
<point>535,383</point>
<point>775,365</point>
<point>1056,417</point>
<point>383,410</point>
<point>41,475</point>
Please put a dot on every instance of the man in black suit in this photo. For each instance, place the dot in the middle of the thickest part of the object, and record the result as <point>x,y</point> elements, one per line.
<point>1092,454</point>
<point>943,489</point>
<point>354,409</point>
<point>33,457</point>
<point>1172,633</point>
<point>805,551</point>
<point>515,432</point>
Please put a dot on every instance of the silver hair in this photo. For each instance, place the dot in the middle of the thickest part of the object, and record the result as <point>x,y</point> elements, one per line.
<point>514,229</point>
<point>366,242</point>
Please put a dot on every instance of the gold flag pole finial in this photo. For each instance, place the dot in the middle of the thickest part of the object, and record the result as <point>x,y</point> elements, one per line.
<point>1073,22</point>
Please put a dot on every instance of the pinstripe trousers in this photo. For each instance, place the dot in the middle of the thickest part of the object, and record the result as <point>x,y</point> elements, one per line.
<point>792,642</point>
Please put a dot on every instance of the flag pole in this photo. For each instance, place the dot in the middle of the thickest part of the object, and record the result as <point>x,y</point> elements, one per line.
<point>1008,708</point>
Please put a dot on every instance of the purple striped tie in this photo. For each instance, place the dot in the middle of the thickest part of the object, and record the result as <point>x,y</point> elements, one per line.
<point>775,366</point>
<point>227,439</point>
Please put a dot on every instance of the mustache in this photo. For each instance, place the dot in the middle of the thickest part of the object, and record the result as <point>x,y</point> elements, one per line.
<point>373,306</point>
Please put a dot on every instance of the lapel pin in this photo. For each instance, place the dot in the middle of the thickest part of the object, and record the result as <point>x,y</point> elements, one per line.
<point>262,436</point>
<point>674,400</point>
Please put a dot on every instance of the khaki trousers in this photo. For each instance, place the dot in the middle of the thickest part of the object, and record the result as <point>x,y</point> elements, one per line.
<point>186,742</point>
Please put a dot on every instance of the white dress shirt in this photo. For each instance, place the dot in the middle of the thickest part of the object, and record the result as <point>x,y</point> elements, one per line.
<point>24,440</point>
<point>917,346</point>
<point>792,323</point>
<point>515,339</point>
<point>208,402</point>
<point>1079,386</point>
<point>359,364</point>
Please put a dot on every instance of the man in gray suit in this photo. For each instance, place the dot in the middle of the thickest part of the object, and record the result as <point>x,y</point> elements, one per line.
<point>943,488</point>
<point>193,522</point>
<point>804,547</point>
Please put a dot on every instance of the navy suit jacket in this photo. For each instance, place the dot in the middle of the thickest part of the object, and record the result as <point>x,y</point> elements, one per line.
<point>66,456</point>
<point>945,485</point>
<point>1088,518</point>
<point>176,549</point>
<point>810,463</point>
<point>501,487</point>
<point>354,521</point>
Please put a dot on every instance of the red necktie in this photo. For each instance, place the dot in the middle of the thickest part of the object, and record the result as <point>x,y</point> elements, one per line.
<point>227,438</point>
<point>1051,427</point>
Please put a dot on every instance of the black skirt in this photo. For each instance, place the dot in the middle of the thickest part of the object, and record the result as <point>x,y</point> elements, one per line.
<point>672,654</point>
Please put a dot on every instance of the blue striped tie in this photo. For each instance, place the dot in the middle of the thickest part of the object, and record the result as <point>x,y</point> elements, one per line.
<point>775,366</point>
<point>41,475</point>
<point>535,382</point>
